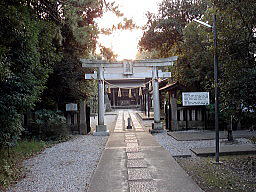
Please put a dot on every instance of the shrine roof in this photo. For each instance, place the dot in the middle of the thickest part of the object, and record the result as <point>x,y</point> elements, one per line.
<point>172,86</point>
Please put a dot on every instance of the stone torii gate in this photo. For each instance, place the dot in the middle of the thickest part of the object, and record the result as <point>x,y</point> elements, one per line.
<point>127,70</point>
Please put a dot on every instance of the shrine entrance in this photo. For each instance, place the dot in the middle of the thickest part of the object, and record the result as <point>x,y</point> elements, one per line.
<point>121,97</point>
<point>127,80</point>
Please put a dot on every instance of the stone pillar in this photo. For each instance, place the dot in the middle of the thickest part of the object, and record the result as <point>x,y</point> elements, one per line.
<point>101,129</point>
<point>174,108</point>
<point>157,126</point>
<point>82,125</point>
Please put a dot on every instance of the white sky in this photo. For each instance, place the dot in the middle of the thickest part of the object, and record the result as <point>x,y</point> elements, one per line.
<point>124,43</point>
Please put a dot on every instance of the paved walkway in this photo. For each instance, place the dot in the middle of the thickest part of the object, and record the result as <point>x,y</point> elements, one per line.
<point>133,161</point>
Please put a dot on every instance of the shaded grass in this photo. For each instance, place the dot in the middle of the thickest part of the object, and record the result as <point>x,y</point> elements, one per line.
<point>11,161</point>
<point>236,174</point>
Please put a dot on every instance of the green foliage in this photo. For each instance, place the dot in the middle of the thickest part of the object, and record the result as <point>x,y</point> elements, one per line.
<point>40,46</point>
<point>26,58</point>
<point>172,32</point>
<point>236,25</point>
<point>10,161</point>
<point>78,40</point>
<point>51,125</point>
<point>194,68</point>
<point>165,29</point>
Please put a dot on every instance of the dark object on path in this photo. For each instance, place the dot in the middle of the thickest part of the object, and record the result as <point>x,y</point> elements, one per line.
<point>129,123</point>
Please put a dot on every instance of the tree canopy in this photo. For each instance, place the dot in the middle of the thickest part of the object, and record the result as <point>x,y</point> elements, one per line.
<point>165,29</point>
<point>41,42</point>
<point>172,32</point>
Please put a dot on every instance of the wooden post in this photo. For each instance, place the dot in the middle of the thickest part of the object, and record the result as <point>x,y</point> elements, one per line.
<point>114,97</point>
<point>148,104</point>
<point>82,125</point>
<point>88,119</point>
<point>145,103</point>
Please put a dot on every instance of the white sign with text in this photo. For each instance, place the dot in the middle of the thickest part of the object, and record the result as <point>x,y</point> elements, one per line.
<point>195,98</point>
<point>71,107</point>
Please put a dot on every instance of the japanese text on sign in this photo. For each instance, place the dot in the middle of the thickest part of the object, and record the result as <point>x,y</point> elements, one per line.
<point>195,98</point>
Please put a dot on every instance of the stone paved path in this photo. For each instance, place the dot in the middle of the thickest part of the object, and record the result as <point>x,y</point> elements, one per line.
<point>133,161</point>
<point>122,122</point>
<point>119,122</point>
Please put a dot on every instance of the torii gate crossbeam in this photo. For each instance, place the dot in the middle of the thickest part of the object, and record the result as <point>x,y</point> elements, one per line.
<point>128,66</point>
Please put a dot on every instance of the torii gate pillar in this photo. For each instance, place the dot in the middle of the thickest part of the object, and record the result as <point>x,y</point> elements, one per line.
<point>157,125</point>
<point>101,129</point>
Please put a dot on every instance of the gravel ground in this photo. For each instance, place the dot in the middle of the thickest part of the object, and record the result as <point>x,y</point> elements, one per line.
<point>182,148</point>
<point>67,166</point>
<point>109,120</point>
<point>64,167</point>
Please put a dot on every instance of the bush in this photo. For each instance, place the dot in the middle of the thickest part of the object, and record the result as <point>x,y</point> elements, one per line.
<point>10,126</point>
<point>51,125</point>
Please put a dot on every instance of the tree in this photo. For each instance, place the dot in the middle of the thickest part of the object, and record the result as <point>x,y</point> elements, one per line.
<point>26,57</point>
<point>165,29</point>
<point>194,45</point>
<point>195,66</point>
<point>79,34</point>
<point>236,24</point>
<point>41,42</point>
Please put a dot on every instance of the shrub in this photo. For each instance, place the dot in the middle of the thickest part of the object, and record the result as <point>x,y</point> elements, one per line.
<point>51,125</point>
<point>10,126</point>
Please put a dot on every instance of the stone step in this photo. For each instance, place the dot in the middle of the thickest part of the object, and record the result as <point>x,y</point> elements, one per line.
<point>136,124</point>
<point>119,122</point>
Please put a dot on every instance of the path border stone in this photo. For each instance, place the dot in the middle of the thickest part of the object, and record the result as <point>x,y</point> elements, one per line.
<point>225,150</point>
